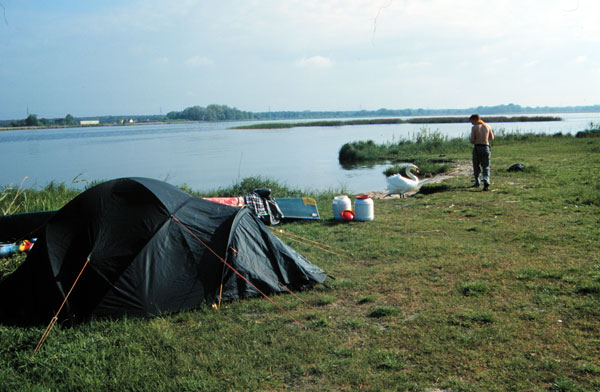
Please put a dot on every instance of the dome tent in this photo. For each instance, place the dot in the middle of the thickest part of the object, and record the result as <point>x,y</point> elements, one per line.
<point>152,249</point>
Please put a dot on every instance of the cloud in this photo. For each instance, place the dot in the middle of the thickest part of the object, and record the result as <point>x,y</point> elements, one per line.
<point>422,45</point>
<point>199,61</point>
<point>315,62</point>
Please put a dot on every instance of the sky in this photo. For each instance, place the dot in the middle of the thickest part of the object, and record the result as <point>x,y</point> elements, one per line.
<point>93,58</point>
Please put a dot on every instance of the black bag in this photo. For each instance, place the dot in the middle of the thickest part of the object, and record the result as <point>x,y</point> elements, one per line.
<point>516,167</point>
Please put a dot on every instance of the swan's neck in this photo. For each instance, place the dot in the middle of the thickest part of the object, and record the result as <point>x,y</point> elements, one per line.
<point>410,174</point>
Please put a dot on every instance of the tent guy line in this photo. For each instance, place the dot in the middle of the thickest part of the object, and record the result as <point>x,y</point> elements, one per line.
<point>55,318</point>
<point>319,245</point>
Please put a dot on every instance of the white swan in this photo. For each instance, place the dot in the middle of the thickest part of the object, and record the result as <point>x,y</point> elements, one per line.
<point>400,184</point>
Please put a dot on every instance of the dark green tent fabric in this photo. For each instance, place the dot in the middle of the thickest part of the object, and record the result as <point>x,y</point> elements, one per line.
<point>150,247</point>
<point>17,227</point>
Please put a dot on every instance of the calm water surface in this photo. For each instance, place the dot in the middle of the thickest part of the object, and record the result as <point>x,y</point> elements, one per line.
<point>208,156</point>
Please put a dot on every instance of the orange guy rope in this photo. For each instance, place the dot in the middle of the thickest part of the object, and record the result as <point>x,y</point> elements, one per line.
<point>318,247</point>
<point>309,240</point>
<point>55,318</point>
<point>302,241</point>
<point>235,271</point>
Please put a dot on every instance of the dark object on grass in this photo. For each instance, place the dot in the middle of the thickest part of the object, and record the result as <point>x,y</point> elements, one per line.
<point>516,167</point>
<point>152,249</point>
<point>428,189</point>
<point>588,133</point>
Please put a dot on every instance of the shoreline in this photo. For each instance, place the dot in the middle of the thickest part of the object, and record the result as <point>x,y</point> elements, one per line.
<point>25,128</point>
<point>318,122</point>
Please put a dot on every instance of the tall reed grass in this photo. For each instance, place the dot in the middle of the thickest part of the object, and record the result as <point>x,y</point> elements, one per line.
<point>424,143</point>
<point>52,196</point>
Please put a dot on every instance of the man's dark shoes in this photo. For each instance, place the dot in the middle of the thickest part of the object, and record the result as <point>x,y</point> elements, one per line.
<point>486,186</point>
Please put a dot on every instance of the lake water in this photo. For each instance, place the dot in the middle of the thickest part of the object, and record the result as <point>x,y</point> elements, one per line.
<point>207,156</point>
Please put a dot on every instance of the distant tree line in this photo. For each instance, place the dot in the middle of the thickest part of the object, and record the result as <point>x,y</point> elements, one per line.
<point>483,110</point>
<point>210,113</point>
<point>33,121</point>
<point>225,113</point>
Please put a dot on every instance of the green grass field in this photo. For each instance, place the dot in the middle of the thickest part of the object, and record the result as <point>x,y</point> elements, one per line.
<point>457,290</point>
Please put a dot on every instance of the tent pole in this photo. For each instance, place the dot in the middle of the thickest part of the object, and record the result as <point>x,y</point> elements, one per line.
<point>220,296</point>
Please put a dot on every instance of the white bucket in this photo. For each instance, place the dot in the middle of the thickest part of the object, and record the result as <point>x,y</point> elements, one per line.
<point>363,208</point>
<point>340,203</point>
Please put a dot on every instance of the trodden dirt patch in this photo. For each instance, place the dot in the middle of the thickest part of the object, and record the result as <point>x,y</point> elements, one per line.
<point>458,169</point>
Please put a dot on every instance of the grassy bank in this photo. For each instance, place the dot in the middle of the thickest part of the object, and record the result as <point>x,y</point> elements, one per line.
<point>432,151</point>
<point>457,290</point>
<point>375,121</point>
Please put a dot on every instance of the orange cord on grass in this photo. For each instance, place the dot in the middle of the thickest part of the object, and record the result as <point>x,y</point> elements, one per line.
<point>55,318</point>
<point>319,245</point>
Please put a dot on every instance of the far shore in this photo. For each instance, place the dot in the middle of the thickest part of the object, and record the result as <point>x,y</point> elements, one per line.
<point>395,120</point>
<point>315,123</point>
<point>92,126</point>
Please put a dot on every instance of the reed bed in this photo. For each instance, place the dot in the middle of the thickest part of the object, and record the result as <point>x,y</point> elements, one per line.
<point>379,121</point>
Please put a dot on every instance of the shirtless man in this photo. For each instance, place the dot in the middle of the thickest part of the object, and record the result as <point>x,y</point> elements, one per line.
<point>481,134</point>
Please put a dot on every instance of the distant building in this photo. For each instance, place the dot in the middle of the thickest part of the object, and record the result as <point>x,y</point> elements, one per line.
<point>89,122</point>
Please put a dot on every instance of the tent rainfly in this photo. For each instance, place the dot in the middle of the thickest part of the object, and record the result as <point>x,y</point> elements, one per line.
<point>150,248</point>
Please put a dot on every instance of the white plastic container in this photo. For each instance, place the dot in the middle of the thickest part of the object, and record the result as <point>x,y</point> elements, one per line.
<point>340,203</point>
<point>364,209</point>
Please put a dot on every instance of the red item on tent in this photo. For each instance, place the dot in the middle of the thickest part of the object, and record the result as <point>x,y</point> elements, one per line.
<point>228,201</point>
